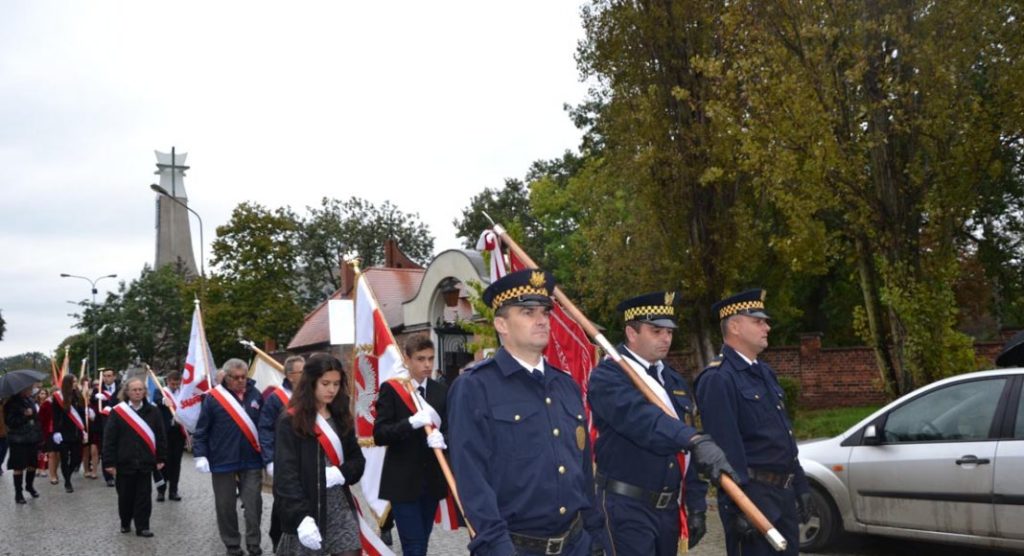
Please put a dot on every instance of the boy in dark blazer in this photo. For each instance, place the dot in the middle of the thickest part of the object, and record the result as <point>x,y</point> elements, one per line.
<point>411,478</point>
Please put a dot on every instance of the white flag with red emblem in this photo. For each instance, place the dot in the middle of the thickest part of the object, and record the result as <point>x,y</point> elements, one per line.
<point>195,377</point>
<point>376,359</point>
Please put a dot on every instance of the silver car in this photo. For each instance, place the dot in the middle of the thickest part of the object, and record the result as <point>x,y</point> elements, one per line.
<point>944,463</point>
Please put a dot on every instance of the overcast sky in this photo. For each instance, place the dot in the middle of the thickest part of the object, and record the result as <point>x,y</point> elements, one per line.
<point>420,103</point>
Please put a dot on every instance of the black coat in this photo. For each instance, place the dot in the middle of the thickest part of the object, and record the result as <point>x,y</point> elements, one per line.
<point>62,421</point>
<point>123,447</point>
<point>299,480</point>
<point>19,425</point>
<point>409,461</point>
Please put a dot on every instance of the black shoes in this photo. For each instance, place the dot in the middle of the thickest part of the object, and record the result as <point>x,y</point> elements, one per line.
<point>110,482</point>
<point>19,499</point>
<point>159,497</point>
<point>254,550</point>
<point>144,533</point>
<point>68,488</point>
<point>126,529</point>
<point>32,492</point>
<point>174,496</point>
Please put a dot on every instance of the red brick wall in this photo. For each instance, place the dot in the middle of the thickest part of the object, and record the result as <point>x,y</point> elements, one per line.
<point>833,377</point>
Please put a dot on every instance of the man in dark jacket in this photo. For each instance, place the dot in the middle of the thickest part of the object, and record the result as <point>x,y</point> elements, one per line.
<point>226,444</point>
<point>134,445</point>
<point>411,478</point>
<point>175,439</point>
<point>275,401</point>
<point>103,400</point>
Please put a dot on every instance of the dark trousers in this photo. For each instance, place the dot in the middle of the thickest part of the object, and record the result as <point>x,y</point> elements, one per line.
<point>778,505</point>
<point>636,528</point>
<point>134,498</point>
<point>70,459</point>
<point>275,523</point>
<point>250,485</point>
<point>98,439</point>
<point>415,521</point>
<point>172,467</point>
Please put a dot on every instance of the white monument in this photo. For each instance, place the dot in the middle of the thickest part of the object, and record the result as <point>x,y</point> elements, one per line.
<point>173,236</point>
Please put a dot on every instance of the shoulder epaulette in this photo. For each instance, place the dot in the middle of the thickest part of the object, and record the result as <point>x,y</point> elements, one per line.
<point>478,364</point>
<point>716,361</point>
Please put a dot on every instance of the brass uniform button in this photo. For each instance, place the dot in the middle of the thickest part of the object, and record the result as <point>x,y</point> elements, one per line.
<point>555,432</point>
<point>562,510</point>
<point>516,418</point>
<point>547,401</point>
<point>561,470</point>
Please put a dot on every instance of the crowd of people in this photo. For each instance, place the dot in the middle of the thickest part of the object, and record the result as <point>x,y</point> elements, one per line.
<point>529,479</point>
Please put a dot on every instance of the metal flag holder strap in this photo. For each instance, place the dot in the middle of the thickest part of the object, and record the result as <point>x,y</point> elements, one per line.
<point>773,536</point>
<point>438,453</point>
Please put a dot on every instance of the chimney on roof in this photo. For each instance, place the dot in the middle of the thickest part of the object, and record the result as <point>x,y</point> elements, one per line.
<point>348,279</point>
<point>395,258</point>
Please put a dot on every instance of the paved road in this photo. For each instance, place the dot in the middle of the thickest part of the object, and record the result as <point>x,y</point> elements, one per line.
<point>85,522</point>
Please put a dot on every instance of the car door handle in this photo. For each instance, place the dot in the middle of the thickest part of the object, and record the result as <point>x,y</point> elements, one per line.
<point>972,460</point>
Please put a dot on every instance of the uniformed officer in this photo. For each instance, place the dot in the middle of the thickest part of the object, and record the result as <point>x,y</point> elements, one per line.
<point>638,448</point>
<point>519,443</point>
<point>742,406</point>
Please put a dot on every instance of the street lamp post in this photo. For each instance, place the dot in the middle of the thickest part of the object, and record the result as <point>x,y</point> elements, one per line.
<point>162,191</point>
<point>92,331</point>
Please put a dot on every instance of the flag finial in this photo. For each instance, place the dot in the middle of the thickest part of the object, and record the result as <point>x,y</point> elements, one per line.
<point>355,264</point>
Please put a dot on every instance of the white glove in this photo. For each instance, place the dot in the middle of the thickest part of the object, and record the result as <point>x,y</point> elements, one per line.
<point>90,414</point>
<point>202,465</point>
<point>58,438</point>
<point>309,534</point>
<point>436,440</point>
<point>270,470</point>
<point>420,419</point>
<point>435,419</point>
<point>334,476</point>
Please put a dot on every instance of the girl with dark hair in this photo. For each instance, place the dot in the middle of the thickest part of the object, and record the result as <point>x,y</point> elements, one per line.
<point>68,427</point>
<point>316,459</point>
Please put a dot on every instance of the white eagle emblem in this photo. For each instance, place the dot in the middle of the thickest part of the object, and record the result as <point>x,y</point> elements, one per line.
<point>366,393</point>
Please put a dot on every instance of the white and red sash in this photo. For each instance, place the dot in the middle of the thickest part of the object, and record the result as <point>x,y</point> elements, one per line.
<point>329,441</point>
<point>283,395</point>
<point>229,402</point>
<point>138,424</point>
<point>71,411</point>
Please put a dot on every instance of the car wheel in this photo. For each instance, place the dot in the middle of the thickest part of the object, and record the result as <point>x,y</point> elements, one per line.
<point>823,526</point>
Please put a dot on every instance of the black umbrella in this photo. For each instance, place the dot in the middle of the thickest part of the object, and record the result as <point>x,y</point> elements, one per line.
<point>16,381</point>
<point>1013,353</point>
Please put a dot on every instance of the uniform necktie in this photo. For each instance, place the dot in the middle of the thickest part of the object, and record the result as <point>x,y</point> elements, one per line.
<point>422,391</point>
<point>535,374</point>
<point>653,371</point>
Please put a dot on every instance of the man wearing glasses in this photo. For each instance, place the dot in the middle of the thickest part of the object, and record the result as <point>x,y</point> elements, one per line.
<point>226,444</point>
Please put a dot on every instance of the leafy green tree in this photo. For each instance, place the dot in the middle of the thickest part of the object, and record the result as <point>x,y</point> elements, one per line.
<point>354,227</point>
<point>867,124</point>
<point>508,206</point>
<point>254,292</point>
<point>3,326</point>
<point>29,360</point>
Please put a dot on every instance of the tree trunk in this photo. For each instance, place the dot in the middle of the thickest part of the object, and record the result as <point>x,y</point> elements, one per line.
<point>873,310</point>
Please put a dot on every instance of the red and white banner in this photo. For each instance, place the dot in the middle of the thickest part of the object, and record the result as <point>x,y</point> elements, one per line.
<point>140,426</point>
<point>70,410</point>
<point>265,370</point>
<point>372,544</point>
<point>195,378</point>
<point>329,441</point>
<point>231,405</point>
<point>447,514</point>
<point>377,359</point>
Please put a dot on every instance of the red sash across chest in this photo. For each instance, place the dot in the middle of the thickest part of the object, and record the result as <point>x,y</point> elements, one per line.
<point>71,411</point>
<point>329,441</point>
<point>138,424</point>
<point>230,404</point>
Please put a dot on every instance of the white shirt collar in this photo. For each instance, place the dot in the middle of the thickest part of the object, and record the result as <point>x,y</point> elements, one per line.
<point>646,364</point>
<point>538,367</point>
<point>132,405</point>
<point>418,384</point>
<point>749,362</point>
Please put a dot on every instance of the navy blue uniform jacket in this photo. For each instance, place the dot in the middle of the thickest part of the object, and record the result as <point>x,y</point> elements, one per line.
<point>743,408</point>
<point>637,442</point>
<point>218,438</point>
<point>520,454</point>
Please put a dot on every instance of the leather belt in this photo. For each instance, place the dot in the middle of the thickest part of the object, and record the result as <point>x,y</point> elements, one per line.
<point>771,478</point>
<point>548,545</point>
<point>658,500</point>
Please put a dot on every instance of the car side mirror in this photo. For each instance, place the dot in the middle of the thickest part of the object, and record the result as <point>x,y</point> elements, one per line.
<point>871,436</point>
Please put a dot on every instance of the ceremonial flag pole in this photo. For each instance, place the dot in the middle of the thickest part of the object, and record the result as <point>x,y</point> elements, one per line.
<point>774,537</point>
<point>379,326</point>
<point>84,388</point>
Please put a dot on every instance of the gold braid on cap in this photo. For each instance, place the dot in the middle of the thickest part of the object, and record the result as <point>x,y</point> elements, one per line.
<point>735,308</point>
<point>516,292</point>
<point>653,310</point>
